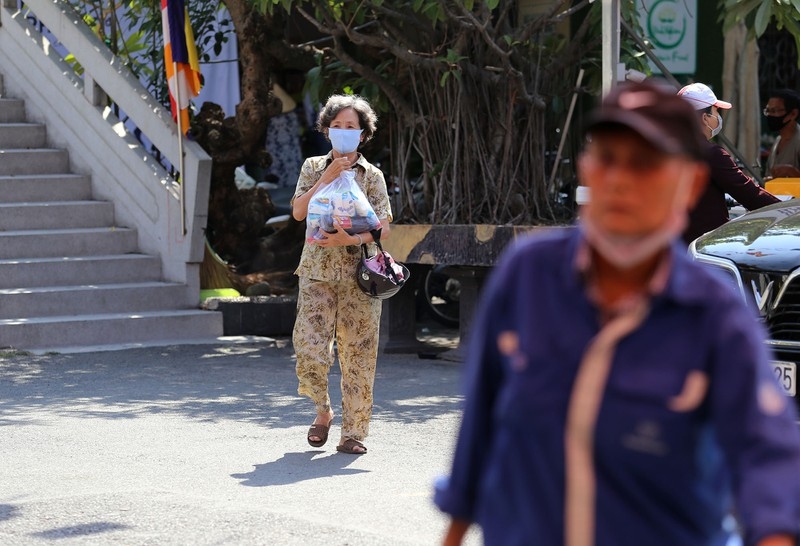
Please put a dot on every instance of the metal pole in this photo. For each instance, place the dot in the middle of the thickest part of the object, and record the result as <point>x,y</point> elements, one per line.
<point>180,146</point>
<point>566,127</point>
<point>650,55</point>
<point>610,55</point>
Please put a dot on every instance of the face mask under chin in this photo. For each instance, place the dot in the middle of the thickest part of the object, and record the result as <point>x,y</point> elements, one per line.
<point>626,252</point>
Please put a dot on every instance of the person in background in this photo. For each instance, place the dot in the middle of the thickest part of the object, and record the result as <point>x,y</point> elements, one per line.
<point>283,141</point>
<point>711,210</point>
<point>617,392</point>
<point>782,111</point>
<point>330,305</point>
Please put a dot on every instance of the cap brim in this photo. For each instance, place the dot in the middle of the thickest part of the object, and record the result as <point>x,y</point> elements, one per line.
<point>723,104</point>
<point>639,124</point>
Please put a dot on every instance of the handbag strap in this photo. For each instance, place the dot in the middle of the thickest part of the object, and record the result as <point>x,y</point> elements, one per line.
<point>376,236</point>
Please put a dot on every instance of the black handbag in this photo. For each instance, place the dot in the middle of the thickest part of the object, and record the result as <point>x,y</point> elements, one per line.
<point>376,279</point>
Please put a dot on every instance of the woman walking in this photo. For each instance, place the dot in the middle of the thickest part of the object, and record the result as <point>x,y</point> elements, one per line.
<point>330,305</point>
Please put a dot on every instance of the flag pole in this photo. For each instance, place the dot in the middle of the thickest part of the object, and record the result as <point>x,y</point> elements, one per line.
<point>181,162</point>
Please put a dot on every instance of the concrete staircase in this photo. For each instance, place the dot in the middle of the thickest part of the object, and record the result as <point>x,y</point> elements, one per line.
<point>70,278</point>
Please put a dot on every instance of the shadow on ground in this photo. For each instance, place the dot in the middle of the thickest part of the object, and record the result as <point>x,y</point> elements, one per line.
<point>246,382</point>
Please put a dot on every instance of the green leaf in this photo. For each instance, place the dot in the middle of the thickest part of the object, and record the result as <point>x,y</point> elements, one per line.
<point>763,15</point>
<point>135,43</point>
<point>453,56</point>
<point>492,4</point>
<point>314,83</point>
<point>797,45</point>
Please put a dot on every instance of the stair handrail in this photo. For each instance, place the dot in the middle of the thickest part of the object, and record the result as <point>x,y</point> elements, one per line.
<point>105,75</point>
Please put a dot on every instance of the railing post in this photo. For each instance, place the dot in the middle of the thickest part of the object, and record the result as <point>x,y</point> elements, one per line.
<point>7,4</point>
<point>93,92</point>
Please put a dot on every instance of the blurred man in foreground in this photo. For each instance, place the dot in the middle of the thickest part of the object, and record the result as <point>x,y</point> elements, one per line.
<point>617,393</point>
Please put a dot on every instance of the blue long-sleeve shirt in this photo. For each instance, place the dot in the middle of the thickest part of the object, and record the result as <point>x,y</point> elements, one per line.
<point>672,456</point>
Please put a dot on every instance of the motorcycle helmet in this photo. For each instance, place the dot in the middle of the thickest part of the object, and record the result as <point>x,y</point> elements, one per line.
<point>383,281</point>
<point>380,285</point>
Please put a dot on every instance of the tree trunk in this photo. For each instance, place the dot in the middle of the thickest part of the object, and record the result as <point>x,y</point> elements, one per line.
<point>236,218</point>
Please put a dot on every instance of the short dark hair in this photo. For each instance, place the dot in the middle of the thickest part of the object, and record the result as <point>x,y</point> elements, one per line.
<point>790,98</point>
<point>367,118</point>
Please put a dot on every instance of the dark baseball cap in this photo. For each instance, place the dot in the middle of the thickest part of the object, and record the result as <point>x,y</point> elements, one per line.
<point>656,113</point>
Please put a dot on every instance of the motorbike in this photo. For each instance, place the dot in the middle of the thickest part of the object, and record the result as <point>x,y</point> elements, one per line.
<point>438,296</point>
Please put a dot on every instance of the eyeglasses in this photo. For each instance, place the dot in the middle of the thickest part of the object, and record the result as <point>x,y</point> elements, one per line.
<point>774,111</point>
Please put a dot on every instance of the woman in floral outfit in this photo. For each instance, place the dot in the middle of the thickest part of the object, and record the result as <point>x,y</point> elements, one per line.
<point>330,306</point>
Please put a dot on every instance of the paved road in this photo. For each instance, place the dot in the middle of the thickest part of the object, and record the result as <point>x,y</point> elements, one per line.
<point>205,444</point>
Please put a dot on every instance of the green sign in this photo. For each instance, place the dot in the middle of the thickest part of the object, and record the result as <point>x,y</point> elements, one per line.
<point>671,27</point>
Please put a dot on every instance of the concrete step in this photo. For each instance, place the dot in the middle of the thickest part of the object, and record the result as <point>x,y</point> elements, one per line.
<point>12,110</point>
<point>45,187</point>
<point>69,278</point>
<point>79,270</point>
<point>48,301</point>
<point>67,242</point>
<point>55,215</point>
<point>22,135</point>
<point>35,161</point>
<point>41,333</point>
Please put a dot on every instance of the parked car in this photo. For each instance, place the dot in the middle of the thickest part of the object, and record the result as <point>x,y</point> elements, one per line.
<point>759,253</point>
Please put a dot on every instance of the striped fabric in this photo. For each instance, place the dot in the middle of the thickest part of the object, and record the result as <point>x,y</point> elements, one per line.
<point>180,59</point>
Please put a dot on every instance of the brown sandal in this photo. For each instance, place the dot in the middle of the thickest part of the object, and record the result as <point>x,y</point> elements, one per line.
<point>321,432</point>
<point>349,447</point>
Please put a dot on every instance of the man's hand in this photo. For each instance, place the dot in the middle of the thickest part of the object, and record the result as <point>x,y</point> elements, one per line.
<point>455,532</point>
<point>784,170</point>
<point>777,540</point>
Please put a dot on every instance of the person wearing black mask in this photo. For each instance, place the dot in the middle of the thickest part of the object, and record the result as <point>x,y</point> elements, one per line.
<point>782,111</point>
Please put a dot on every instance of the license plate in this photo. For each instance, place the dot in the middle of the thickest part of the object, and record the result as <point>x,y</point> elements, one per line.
<point>786,372</point>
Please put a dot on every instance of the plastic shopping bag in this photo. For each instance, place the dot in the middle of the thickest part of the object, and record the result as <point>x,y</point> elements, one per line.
<point>344,201</point>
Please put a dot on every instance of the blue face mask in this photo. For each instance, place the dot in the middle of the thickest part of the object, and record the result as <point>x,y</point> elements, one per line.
<point>345,141</point>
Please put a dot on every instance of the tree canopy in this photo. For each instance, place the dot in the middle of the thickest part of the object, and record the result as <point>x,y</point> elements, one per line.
<point>758,14</point>
<point>472,95</point>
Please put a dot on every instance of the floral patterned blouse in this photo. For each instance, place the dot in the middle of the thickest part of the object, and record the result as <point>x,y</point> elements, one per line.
<point>333,264</point>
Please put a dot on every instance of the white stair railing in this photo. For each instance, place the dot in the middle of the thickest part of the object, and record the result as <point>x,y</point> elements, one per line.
<point>79,119</point>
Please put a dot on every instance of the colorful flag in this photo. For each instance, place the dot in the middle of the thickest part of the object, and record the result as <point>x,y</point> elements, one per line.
<point>180,59</point>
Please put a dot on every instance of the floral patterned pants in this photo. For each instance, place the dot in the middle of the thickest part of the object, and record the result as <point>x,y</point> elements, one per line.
<point>337,310</point>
